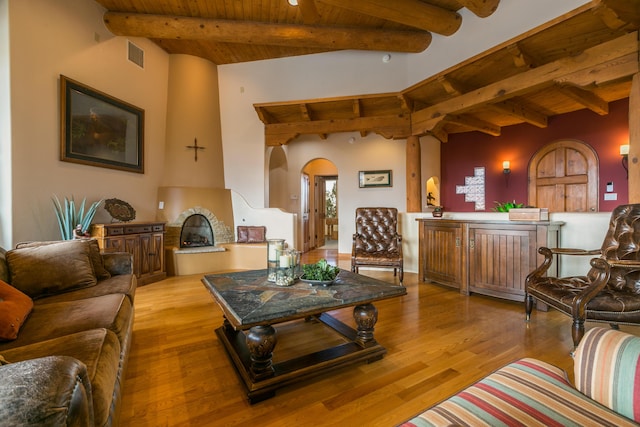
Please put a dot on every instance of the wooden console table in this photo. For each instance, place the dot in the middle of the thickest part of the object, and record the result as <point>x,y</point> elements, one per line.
<point>143,240</point>
<point>485,257</point>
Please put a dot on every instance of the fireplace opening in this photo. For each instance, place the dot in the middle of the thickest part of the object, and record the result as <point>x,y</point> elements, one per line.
<point>196,232</point>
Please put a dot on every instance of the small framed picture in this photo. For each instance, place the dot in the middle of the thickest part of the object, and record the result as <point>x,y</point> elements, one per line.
<point>375,179</point>
<point>99,130</point>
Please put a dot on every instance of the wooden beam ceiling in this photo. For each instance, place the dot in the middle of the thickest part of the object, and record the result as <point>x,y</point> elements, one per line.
<point>575,62</point>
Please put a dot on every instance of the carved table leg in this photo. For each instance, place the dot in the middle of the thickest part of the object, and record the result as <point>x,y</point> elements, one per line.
<point>366,316</point>
<point>261,340</point>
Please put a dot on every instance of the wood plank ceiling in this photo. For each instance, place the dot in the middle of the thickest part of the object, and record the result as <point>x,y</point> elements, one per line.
<point>583,60</point>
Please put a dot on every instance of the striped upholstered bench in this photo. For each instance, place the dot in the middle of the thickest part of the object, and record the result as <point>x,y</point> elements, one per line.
<point>529,392</point>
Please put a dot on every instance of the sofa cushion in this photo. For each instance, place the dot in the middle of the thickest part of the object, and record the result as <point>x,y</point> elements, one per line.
<point>121,284</point>
<point>50,269</point>
<point>98,349</point>
<point>607,370</point>
<point>94,254</point>
<point>14,309</point>
<point>113,312</point>
<point>527,392</point>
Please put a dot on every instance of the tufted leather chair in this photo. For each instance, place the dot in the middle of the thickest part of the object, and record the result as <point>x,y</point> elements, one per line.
<point>376,241</point>
<point>610,292</point>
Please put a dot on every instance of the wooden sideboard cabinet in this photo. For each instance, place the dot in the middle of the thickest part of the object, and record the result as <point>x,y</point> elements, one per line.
<point>485,257</point>
<point>143,240</point>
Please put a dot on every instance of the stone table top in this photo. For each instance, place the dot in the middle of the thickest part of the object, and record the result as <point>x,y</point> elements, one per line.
<point>248,299</point>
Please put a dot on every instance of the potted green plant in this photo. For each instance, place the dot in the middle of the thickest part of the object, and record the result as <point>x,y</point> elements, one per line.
<point>73,220</point>
<point>437,211</point>
<point>507,206</point>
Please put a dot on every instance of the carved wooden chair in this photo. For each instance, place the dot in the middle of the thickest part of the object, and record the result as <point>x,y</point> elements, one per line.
<point>376,242</point>
<point>610,292</point>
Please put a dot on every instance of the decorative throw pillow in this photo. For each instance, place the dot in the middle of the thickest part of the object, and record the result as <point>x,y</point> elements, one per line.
<point>256,234</point>
<point>14,309</point>
<point>96,258</point>
<point>51,269</point>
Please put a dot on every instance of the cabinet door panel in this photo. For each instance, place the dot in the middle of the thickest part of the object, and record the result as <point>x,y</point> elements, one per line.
<point>442,254</point>
<point>499,260</point>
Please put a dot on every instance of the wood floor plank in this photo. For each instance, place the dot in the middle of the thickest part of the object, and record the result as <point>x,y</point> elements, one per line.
<point>437,342</point>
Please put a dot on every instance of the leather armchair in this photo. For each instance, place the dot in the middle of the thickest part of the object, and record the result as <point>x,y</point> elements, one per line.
<point>376,241</point>
<point>609,292</point>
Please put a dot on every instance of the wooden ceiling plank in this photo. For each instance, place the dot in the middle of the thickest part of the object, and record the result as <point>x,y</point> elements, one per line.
<point>413,13</point>
<point>480,8</point>
<point>334,38</point>
<point>528,81</point>
<point>522,112</point>
<point>586,98</point>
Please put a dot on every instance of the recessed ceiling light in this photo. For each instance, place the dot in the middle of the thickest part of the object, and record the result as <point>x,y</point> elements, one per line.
<point>293,2</point>
<point>386,58</point>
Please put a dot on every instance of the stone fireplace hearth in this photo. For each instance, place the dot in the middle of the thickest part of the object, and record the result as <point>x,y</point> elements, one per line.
<point>221,233</point>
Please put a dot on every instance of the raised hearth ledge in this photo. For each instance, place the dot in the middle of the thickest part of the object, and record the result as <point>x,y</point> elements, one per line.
<point>198,250</point>
<point>231,257</point>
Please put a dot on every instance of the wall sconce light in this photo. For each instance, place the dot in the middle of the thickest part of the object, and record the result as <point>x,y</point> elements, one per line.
<point>506,170</point>
<point>506,167</point>
<point>624,152</point>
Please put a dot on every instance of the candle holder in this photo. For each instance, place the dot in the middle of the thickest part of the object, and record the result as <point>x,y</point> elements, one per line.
<point>288,266</point>
<point>273,246</point>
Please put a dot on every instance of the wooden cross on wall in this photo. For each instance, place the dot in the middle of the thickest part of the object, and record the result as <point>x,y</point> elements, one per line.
<point>195,148</point>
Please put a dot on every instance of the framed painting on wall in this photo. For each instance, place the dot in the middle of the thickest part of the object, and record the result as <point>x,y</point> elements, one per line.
<point>375,179</point>
<point>99,130</point>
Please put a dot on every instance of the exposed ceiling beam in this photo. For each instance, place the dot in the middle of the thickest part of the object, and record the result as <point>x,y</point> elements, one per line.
<point>451,86</point>
<point>520,58</point>
<point>522,112</point>
<point>332,38</point>
<point>594,61</point>
<point>387,126</point>
<point>473,123</point>
<point>413,13</point>
<point>586,98</point>
<point>480,8</point>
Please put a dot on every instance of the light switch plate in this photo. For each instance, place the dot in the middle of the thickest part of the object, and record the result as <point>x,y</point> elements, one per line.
<point>611,196</point>
<point>609,187</point>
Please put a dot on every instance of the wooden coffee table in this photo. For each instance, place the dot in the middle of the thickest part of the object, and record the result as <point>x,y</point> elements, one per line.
<point>252,305</point>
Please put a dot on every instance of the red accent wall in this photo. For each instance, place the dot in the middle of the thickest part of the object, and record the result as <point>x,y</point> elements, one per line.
<point>519,143</point>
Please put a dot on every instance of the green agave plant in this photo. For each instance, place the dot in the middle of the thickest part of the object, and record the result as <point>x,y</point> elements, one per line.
<point>71,216</point>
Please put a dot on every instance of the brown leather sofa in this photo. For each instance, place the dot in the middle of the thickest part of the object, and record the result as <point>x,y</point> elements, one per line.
<point>67,364</point>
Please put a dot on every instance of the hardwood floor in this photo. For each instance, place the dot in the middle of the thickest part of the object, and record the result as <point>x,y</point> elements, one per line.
<point>438,342</point>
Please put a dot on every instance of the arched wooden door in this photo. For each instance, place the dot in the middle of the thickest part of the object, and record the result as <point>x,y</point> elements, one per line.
<point>563,176</point>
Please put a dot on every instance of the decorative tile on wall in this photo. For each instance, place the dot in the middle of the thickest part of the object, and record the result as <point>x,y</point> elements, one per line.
<point>473,188</point>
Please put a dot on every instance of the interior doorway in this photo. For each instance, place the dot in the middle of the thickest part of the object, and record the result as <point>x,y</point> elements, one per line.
<point>322,202</point>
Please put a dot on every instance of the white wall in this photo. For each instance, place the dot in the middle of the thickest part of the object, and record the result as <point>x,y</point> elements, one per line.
<point>49,38</point>
<point>5,128</point>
